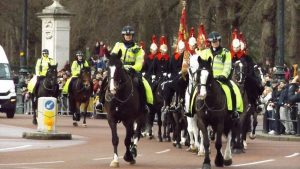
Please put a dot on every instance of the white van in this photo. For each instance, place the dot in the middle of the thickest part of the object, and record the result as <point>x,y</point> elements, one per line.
<point>8,95</point>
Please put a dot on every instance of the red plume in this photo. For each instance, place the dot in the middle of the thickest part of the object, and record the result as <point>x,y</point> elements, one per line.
<point>163,40</point>
<point>235,34</point>
<point>142,44</point>
<point>154,40</point>
<point>192,32</point>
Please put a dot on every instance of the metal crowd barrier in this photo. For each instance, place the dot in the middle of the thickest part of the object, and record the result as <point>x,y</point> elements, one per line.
<point>295,116</point>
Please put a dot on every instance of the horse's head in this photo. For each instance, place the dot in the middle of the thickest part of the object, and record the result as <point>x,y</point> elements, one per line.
<point>85,76</point>
<point>51,75</point>
<point>206,75</point>
<point>116,72</point>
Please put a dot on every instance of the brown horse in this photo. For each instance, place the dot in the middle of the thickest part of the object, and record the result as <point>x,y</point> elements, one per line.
<point>80,92</point>
<point>123,104</point>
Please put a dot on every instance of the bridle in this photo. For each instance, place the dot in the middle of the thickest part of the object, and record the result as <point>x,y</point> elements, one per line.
<point>109,96</point>
<point>50,80</point>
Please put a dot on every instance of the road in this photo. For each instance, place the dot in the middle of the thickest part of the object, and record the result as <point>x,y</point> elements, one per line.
<point>91,148</point>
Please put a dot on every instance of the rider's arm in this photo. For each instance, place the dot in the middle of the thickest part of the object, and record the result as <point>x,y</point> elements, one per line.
<point>139,60</point>
<point>227,64</point>
<point>37,67</point>
<point>86,64</point>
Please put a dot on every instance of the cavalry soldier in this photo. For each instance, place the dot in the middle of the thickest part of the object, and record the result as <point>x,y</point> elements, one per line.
<point>162,62</point>
<point>176,83</point>
<point>221,65</point>
<point>41,69</point>
<point>76,67</point>
<point>148,63</point>
<point>133,59</point>
<point>246,64</point>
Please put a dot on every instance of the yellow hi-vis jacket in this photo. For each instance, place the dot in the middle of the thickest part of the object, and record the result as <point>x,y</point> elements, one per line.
<point>134,57</point>
<point>76,68</point>
<point>41,66</point>
<point>221,63</point>
<point>131,57</point>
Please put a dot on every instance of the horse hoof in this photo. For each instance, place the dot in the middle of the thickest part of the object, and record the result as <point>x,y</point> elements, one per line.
<point>34,121</point>
<point>237,151</point>
<point>245,145</point>
<point>84,125</point>
<point>201,153</point>
<point>160,139</point>
<point>178,145</point>
<point>206,166</point>
<point>114,164</point>
<point>252,136</point>
<point>228,162</point>
<point>75,124</point>
<point>132,162</point>
<point>150,137</point>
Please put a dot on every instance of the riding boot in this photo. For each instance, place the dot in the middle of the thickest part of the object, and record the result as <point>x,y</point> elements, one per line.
<point>235,114</point>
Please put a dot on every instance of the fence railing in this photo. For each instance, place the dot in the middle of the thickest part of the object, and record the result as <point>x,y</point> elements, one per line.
<point>278,123</point>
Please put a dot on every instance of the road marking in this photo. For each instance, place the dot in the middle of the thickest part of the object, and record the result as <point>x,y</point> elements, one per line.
<point>12,148</point>
<point>108,158</point>
<point>293,155</point>
<point>164,151</point>
<point>253,163</point>
<point>46,162</point>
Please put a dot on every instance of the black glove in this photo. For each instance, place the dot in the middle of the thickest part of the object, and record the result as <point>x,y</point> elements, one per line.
<point>131,71</point>
<point>222,78</point>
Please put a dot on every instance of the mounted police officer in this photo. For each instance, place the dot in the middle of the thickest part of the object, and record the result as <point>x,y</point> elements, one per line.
<point>41,69</point>
<point>133,59</point>
<point>76,67</point>
<point>221,65</point>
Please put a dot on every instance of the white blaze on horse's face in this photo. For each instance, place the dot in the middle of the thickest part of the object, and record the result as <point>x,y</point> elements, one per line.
<point>112,86</point>
<point>203,81</point>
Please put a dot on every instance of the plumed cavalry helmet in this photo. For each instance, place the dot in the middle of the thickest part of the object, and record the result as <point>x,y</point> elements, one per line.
<point>45,51</point>
<point>79,53</point>
<point>213,36</point>
<point>127,30</point>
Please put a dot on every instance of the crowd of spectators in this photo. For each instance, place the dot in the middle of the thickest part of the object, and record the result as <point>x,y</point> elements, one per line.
<point>281,99</point>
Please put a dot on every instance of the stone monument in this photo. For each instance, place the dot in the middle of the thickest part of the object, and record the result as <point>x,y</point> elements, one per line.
<point>56,32</point>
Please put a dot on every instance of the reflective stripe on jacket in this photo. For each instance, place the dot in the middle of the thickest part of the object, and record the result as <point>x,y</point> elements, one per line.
<point>133,56</point>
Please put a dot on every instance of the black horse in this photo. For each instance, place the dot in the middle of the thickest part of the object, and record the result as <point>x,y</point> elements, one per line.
<point>47,87</point>
<point>211,108</point>
<point>155,109</point>
<point>251,88</point>
<point>80,92</point>
<point>123,104</point>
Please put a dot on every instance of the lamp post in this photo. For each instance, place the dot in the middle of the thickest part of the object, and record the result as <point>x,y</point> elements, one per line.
<point>279,60</point>
<point>22,71</point>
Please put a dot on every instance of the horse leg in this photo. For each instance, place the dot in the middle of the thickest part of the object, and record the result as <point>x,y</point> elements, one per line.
<point>192,147</point>
<point>219,160</point>
<point>84,114</point>
<point>177,129</point>
<point>206,163</point>
<point>76,114</point>
<point>227,152</point>
<point>254,124</point>
<point>115,141</point>
<point>34,107</point>
<point>159,124</point>
<point>129,156</point>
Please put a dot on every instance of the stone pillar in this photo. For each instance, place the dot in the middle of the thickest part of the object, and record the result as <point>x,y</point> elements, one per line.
<point>56,32</point>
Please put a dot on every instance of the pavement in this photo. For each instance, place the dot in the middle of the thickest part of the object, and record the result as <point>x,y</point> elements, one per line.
<point>262,135</point>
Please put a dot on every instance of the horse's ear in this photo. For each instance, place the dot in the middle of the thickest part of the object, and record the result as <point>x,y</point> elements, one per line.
<point>209,60</point>
<point>120,53</point>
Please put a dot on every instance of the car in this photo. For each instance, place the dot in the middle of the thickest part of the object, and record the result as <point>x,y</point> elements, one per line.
<point>8,96</point>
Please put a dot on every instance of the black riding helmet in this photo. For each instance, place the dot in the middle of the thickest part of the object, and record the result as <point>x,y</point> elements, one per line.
<point>45,51</point>
<point>79,53</point>
<point>214,36</point>
<point>127,30</point>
